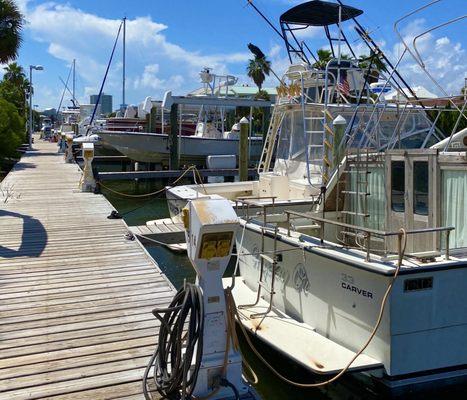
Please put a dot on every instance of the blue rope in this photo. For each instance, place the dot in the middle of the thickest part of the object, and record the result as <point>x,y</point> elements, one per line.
<point>105,77</point>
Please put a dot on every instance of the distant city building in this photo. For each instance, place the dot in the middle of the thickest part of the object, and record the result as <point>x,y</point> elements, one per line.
<point>105,102</point>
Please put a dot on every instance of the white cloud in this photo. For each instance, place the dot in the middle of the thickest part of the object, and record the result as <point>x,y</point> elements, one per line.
<point>71,33</point>
<point>150,80</point>
<point>444,59</point>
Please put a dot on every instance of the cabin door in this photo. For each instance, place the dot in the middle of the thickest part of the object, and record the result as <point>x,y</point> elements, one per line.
<point>412,198</point>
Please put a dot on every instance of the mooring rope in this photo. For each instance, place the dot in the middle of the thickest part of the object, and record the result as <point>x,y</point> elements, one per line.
<point>190,168</point>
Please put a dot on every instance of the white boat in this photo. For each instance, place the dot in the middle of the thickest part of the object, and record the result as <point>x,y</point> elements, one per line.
<point>154,147</point>
<point>372,276</point>
<point>206,111</point>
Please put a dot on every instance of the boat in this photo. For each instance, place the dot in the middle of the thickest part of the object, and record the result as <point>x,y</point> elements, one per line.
<point>206,112</point>
<point>370,275</point>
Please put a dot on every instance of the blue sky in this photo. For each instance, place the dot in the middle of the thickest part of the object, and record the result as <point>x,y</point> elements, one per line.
<point>170,41</point>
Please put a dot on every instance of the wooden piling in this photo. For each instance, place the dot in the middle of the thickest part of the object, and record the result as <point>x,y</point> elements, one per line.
<point>173,138</point>
<point>243,150</point>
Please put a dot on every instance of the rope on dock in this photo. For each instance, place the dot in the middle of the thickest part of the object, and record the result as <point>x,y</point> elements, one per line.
<point>190,168</point>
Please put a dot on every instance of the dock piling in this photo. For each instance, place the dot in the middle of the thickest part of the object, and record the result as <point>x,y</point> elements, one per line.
<point>243,150</point>
<point>173,138</point>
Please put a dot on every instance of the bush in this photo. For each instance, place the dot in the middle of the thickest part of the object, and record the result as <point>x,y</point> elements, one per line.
<point>11,129</point>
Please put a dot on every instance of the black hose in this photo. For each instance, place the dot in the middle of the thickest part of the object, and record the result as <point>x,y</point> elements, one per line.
<point>224,382</point>
<point>173,376</point>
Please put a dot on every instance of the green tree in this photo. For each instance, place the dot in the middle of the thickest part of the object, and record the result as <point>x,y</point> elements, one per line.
<point>14,95</point>
<point>323,58</point>
<point>11,129</point>
<point>257,69</point>
<point>14,86</point>
<point>15,74</point>
<point>11,23</point>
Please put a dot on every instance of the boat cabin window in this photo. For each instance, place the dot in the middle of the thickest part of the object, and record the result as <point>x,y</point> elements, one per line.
<point>420,187</point>
<point>397,186</point>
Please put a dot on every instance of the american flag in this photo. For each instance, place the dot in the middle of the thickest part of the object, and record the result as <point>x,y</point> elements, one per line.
<point>343,85</point>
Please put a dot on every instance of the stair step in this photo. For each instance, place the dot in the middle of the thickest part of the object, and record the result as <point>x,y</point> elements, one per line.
<point>268,259</point>
<point>266,287</point>
<point>355,213</point>
<point>353,171</point>
<point>354,192</point>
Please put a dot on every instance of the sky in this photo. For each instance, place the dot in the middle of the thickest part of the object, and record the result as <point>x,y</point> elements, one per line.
<point>170,41</point>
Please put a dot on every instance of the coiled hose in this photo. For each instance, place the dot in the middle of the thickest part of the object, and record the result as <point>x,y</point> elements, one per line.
<point>186,311</point>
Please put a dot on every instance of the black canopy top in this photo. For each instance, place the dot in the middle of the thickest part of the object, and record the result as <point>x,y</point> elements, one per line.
<point>318,13</point>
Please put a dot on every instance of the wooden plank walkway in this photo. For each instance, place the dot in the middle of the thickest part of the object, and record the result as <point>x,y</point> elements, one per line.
<point>75,295</point>
<point>163,231</point>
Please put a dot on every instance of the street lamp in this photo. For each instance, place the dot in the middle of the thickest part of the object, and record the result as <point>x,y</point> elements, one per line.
<point>37,68</point>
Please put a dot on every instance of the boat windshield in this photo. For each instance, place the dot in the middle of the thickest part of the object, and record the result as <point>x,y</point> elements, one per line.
<point>300,143</point>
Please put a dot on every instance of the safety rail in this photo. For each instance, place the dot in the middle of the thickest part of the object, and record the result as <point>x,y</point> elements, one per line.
<point>368,232</point>
<point>250,201</point>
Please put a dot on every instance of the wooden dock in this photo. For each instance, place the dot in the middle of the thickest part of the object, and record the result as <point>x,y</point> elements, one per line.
<point>165,231</point>
<point>75,295</point>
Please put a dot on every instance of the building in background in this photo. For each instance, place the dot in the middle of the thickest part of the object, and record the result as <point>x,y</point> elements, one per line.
<point>105,102</point>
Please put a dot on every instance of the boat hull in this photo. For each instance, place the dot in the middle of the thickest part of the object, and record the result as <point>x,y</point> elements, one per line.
<point>154,147</point>
<point>339,297</point>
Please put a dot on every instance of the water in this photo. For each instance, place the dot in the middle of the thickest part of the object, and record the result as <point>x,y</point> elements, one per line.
<point>177,267</point>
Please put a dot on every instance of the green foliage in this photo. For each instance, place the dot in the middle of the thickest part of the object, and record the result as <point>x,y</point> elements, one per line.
<point>11,23</point>
<point>14,73</point>
<point>258,69</point>
<point>447,121</point>
<point>262,95</point>
<point>14,95</point>
<point>323,58</point>
<point>11,129</point>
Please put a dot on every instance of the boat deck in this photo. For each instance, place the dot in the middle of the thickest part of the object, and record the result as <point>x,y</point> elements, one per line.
<point>75,295</point>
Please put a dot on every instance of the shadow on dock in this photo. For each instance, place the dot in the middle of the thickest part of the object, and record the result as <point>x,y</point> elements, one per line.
<point>33,239</point>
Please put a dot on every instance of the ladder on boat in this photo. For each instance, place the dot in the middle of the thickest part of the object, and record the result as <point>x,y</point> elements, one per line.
<point>354,196</point>
<point>270,141</point>
<point>265,259</point>
<point>320,139</point>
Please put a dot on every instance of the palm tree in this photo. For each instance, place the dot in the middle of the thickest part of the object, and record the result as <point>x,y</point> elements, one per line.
<point>15,74</point>
<point>377,65</point>
<point>258,69</point>
<point>323,58</point>
<point>11,23</point>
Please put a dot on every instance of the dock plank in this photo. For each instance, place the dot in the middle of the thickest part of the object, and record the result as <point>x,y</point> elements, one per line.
<point>75,295</point>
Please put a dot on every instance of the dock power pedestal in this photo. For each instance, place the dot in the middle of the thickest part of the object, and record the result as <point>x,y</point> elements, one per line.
<point>195,357</point>
<point>211,225</point>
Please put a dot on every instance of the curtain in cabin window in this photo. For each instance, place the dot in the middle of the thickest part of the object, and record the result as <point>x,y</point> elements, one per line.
<point>376,199</point>
<point>454,206</point>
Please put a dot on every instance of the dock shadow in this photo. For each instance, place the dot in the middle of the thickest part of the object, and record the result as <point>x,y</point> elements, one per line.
<point>24,165</point>
<point>33,239</point>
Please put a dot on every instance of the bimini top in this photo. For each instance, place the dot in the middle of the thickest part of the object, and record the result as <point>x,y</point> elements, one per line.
<point>318,13</point>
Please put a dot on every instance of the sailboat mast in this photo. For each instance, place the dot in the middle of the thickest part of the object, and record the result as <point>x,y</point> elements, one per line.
<point>124,66</point>
<point>74,81</point>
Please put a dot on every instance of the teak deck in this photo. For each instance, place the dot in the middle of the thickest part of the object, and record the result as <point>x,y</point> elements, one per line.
<point>75,295</point>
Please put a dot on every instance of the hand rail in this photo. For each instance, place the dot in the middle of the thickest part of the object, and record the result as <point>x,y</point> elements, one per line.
<point>369,231</point>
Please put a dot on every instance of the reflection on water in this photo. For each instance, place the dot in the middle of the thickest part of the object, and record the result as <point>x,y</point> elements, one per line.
<point>177,267</point>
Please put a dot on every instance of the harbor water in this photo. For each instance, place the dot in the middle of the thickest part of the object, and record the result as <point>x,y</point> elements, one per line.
<point>177,267</point>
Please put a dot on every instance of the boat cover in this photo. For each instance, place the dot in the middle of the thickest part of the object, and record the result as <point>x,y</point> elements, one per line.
<point>318,13</point>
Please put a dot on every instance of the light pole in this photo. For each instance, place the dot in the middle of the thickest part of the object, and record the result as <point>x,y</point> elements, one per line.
<point>37,68</point>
